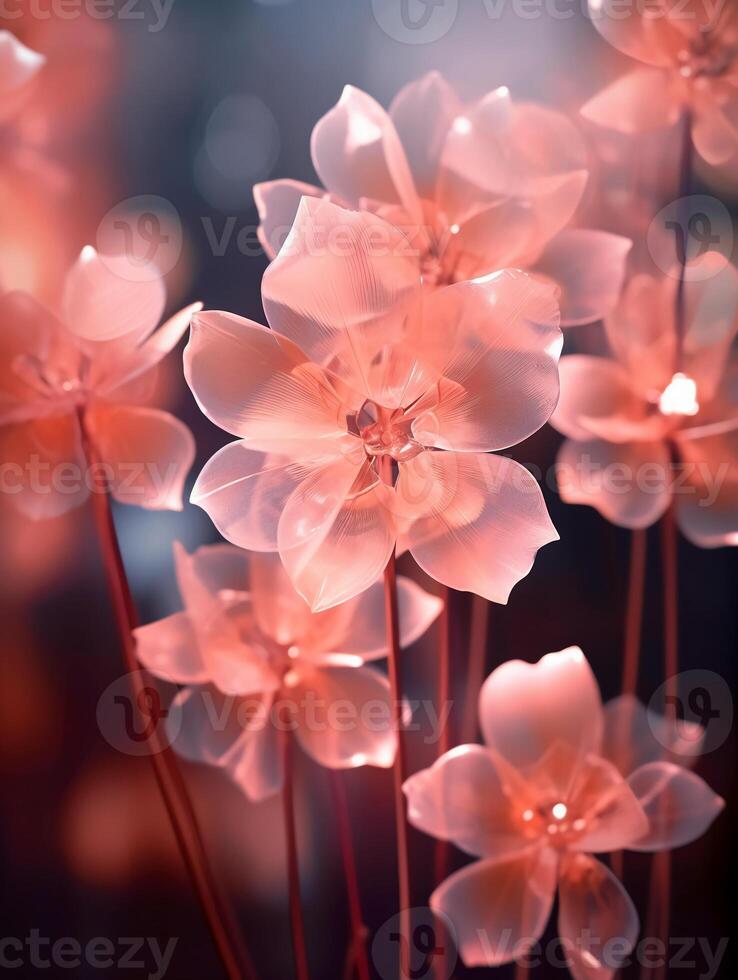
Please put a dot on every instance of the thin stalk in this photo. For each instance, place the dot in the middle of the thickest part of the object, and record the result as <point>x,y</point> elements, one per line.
<point>399,766</point>
<point>476,667</point>
<point>358,929</point>
<point>293,861</point>
<point>634,610</point>
<point>440,858</point>
<point>685,182</point>
<point>234,957</point>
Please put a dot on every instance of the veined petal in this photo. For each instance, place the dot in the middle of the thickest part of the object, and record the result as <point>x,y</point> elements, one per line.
<point>336,534</point>
<point>501,383</point>
<point>346,287</point>
<point>479,520</point>
<point>614,818</point>
<point>277,202</point>
<point>499,908</point>
<point>254,383</point>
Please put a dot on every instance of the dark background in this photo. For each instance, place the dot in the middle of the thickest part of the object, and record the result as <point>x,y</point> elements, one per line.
<point>86,848</point>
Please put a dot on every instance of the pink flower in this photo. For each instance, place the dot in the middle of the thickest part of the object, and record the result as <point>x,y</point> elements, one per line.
<point>94,363</point>
<point>627,416</point>
<point>691,53</point>
<point>478,188</point>
<point>536,802</point>
<point>369,409</point>
<point>255,660</point>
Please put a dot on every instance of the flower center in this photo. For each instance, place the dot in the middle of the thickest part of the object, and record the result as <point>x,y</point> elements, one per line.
<point>706,60</point>
<point>679,397</point>
<point>555,822</point>
<point>387,432</point>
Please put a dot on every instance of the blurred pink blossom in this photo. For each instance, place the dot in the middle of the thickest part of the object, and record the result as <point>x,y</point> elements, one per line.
<point>627,418</point>
<point>537,801</point>
<point>690,49</point>
<point>477,188</point>
<point>369,410</point>
<point>247,647</point>
<point>91,363</point>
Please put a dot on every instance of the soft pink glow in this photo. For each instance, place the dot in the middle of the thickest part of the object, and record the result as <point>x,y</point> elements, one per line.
<point>535,801</point>
<point>690,54</point>
<point>253,657</point>
<point>626,415</point>
<point>380,373</point>
<point>96,356</point>
<point>476,188</point>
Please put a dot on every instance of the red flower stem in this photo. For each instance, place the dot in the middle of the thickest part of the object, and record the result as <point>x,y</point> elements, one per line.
<point>685,182</point>
<point>476,667</point>
<point>293,861</point>
<point>440,859</point>
<point>358,929</point>
<point>234,957</point>
<point>634,610</point>
<point>399,766</point>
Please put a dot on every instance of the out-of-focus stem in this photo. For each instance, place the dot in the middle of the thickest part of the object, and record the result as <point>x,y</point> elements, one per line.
<point>234,957</point>
<point>358,930</point>
<point>634,610</point>
<point>440,859</point>
<point>293,862</point>
<point>477,664</point>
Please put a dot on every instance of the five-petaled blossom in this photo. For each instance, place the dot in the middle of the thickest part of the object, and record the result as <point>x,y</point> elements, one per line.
<point>369,410</point>
<point>256,662</point>
<point>538,800</point>
<point>70,388</point>
<point>690,49</point>
<point>659,421</point>
<point>479,187</point>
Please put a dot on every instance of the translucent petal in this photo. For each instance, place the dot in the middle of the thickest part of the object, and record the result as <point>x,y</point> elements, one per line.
<point>335,544</point>
<point>498,908</point>
<point>423,112</point>
<point>18,64</point>
<point>501,382</point>
<point>589,268</point>
<point>628,483</point>
<point>107,298</point>
<point>604,800</point>
<point>169,649</point>
<point>357,153</point>
<point>679,804</point>
<point>244,492</point>
<point>254,383</point>
<point>277,202</point>
<point>707,504</point>
<point>463,797</point>
<point>146,454</point>
<point>635,735</point>
<point>598,923</point>
<point>525,709</point>
<point>480,520</point>
<point>346,288</point>
<point>345,717</point>
<point>648,38</point>
<point>636,103</point>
